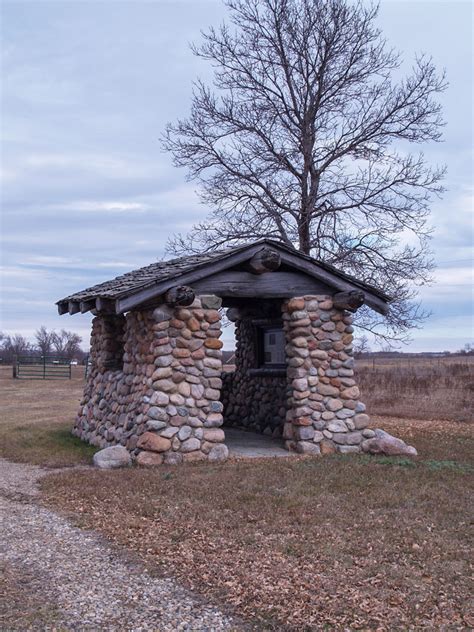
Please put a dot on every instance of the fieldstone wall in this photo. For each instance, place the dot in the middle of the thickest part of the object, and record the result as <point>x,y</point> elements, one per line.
<point>324,412</point>
<point>252,402</point>
<point>156,384</point>
<point>163,404</point>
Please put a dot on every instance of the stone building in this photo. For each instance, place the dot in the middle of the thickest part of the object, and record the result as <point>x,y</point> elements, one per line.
<point>156,383</point>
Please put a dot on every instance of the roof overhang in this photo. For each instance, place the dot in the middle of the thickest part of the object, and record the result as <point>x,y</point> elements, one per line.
<point>322,273</point>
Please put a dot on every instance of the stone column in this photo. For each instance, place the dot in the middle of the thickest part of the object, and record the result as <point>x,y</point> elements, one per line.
<point>182,411</point>
<point>324,412</point>
<point>111,410</point>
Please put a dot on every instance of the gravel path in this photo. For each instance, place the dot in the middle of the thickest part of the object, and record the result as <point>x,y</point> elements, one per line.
<point>58,577</point>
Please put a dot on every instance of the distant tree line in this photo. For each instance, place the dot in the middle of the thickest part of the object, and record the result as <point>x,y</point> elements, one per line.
<point>362,349</point>
<point>61,344</point>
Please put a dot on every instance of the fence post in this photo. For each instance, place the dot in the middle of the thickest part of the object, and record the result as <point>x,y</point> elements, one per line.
<point>14,367</point>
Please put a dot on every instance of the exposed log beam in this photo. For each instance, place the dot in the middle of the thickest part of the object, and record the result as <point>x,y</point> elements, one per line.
<point>86,306</point>
<point>63,308</point>
<point>234,314</point>
<point>265,260</point>
<point>105,305</point>
<point>351,300</point>
<point>332,280</point>
<point>180,295</point>
<point>247,285</point>
<point>73,307</point>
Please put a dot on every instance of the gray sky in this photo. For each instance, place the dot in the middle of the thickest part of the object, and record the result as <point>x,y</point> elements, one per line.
<point>87,193</point>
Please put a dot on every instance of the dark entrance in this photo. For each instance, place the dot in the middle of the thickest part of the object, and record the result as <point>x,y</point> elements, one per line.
<point>255,394</point>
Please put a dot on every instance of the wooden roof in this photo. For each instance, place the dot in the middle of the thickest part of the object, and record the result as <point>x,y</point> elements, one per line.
<point>140,286</point>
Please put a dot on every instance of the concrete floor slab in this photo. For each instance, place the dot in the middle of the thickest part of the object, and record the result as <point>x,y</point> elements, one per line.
<point>253,445</point>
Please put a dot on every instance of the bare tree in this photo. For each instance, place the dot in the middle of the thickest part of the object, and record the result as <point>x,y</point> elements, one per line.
<point>361,346</point>
<point>67,344</point>
<point>15,345</point>
<point>306,140</point>
<point>44,340</point>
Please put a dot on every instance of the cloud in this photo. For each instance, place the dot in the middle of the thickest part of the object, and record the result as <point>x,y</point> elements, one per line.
<point>48,260</point>
<point>101,207</point>
<point>87,192</point>
<point>39,262</point>
<point>103,166</point>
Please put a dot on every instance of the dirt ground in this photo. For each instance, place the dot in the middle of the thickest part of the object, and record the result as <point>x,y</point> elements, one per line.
<point>340,542</point>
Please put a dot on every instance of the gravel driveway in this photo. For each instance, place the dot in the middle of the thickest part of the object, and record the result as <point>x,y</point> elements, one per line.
<point>57,577</point>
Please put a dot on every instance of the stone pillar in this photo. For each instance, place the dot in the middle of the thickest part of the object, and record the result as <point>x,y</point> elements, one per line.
<point>324,412</point>
<point>182,408</point>
<point>111,410</point>
<point>107,340</point>
<point>155,383</point>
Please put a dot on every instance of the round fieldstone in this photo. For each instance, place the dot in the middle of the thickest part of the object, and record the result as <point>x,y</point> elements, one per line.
<point>156,413</point>
<point>214,420</point>
<point>218,453</point>
<point>197,390</point>
<point>155,424</point>
<point>385,443</point>
<point>337,426</point>
<point>327,447</point>
<point>163,361</point>
<point>350,393</point>
<point>345,413</point>
<point>306,447</point>
<point>304,433</point>
<point>361,421</point>
<point>169,432</point>
<point>295,304</point>
<point>161,314</point>
<point>334,404</point>
<point>190,445</point>
<point>184,433</point>
<point>112,457</point>
<point>153,443</point>
<point>213,343</point>
<point>213,434</point>
<point>216,407</point>
<point>211,302</point>
<point>149,459</point>
<point>173,458</point>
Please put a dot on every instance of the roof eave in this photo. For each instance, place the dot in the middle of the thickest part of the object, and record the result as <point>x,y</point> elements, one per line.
<point>130,299</point>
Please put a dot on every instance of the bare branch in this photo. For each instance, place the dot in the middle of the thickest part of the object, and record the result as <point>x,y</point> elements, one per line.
<point>304,138</point>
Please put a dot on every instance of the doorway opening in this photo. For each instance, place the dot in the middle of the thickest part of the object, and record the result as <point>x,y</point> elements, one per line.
<point>255,390</point>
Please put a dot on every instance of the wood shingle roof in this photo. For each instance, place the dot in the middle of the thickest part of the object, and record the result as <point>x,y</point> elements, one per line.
<point>159,276</point>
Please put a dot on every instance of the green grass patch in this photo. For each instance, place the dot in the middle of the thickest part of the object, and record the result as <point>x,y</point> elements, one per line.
<point>49,445</point>
<point>394,460</point>
<point>454,466</point>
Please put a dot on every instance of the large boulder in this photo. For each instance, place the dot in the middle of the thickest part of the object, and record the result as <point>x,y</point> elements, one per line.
<point>385,443</point>
<point>218,453</point>
<point>112,457</point>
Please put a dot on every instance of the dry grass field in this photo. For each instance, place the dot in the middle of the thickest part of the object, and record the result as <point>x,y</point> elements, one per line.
<point>424,388</point>
<point>36,418</point>
<point>342,542</point>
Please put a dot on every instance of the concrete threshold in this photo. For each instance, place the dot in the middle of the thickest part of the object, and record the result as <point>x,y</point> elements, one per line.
<point>252,445</point>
